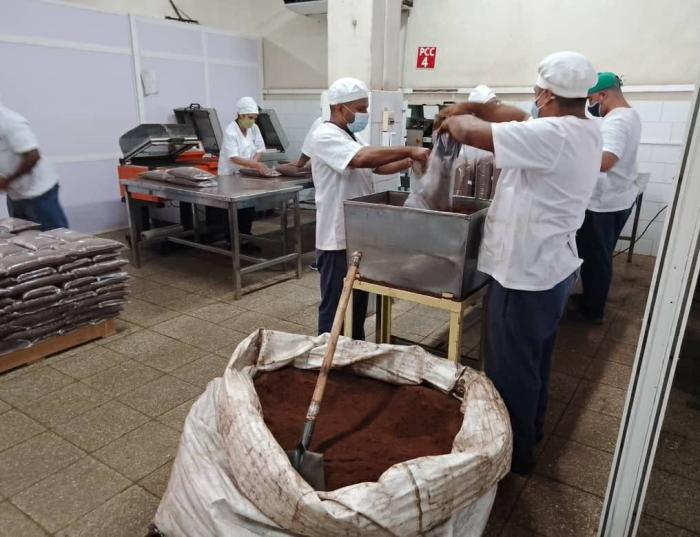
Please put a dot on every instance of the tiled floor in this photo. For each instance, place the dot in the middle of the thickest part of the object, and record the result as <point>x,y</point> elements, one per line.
<point>87,437</point>
<point>673,496</point>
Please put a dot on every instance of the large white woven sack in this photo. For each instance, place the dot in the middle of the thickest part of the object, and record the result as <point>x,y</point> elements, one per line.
<point>232,478</point>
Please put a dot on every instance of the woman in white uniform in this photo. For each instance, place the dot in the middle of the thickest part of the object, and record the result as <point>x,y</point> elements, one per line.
<point>242,148</point>
<point>550,167</point>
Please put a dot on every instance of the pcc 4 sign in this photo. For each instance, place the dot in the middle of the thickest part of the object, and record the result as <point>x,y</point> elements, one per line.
<point>426,57</point>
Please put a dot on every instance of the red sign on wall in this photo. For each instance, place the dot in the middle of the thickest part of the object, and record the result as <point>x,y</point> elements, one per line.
<point>426,57</point>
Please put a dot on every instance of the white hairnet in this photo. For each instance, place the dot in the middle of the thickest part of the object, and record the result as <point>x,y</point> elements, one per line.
<point>247,105</point>
<point>481,94</point>
<point>567,74</point>
<point>346,90</point>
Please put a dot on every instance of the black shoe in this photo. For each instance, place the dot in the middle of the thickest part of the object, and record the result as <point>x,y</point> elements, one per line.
<point>313,266</point>
<point>580,316</point>
<point>524,469</point>
<point>250,247</point>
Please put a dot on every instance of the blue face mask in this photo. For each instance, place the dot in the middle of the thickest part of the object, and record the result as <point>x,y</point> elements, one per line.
<point>535,110</point>
<point>360,123</point>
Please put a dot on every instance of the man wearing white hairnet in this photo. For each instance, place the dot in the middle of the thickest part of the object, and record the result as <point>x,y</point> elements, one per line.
<point>242,148</point>
<point>550,167</point>
<point>342,169</point>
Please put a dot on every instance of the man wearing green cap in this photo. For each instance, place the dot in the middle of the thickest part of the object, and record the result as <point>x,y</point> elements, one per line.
<point>613,197</point>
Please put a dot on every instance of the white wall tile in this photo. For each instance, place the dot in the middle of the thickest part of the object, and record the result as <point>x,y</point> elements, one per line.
<point>669,154</point>
<point>656,131</point>
<point>659,172</point>
<point>672,170</point>
<point>644,152</point>
<point>659,192</point>
<point>650,209</point>
<point>648,110</point>
<point>675,111</point>
<point>678,132</point>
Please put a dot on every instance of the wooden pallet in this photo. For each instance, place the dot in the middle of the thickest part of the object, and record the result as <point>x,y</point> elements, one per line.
<point>57,344</point>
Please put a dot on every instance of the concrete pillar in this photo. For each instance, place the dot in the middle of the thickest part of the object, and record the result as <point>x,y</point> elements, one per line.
<point>364,42</point>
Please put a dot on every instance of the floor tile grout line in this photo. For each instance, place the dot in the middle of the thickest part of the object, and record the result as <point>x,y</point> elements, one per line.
<point>45,429</point>
<point>575,487</point>
<point>9,499</point>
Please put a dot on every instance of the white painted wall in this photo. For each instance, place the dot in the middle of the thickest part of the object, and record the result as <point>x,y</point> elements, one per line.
<point>295,47</point>
<point>230,15</point>
<point>500,43</point>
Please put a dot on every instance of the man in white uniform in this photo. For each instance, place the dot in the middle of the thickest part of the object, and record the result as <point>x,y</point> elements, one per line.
<point>29,180</point>
<point>550,167</point>
<point>342,169</point>
<point>242,148</point>
<point>613,197</point>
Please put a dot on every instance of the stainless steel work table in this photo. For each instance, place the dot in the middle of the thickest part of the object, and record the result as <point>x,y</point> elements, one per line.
<point>233,192</point>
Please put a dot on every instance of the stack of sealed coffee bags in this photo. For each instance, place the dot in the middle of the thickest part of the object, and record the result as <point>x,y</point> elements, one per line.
<point>52,282</point>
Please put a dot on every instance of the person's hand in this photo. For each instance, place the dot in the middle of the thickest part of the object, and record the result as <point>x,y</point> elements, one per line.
<point>419,159</point>
<point>449,111</point>
<point>419,155</point>
<point>260,167</point>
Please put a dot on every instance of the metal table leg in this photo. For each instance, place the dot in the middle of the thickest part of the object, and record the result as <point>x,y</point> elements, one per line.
<point>454,348</point>
<point>283,229</point>
<point>195,221</point>
<point>297,232</point>
<point>235,248</point>
<point>635,224</point>
<point>383,319</point>
<point>134,231</point>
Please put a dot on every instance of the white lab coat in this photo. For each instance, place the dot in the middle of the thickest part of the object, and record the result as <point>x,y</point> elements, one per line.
<point>237,145</point>
<point>332,149</point>
<point>549,169</point>
<point>306,146</point>
<point>617,188</point>
<point>16,138</point>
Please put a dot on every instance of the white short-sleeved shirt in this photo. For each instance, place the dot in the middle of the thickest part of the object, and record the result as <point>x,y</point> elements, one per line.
<point>332,149</point>
<point>237,145</point>
<point>306,146</point>
<point>16,138</point>
<point>617,188</point>
<point>549,169</point>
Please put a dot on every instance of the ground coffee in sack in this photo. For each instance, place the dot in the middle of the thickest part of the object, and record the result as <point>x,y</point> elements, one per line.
<point>231,476</point>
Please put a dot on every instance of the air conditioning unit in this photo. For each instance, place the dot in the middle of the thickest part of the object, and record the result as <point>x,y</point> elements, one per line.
<point>308,7</point>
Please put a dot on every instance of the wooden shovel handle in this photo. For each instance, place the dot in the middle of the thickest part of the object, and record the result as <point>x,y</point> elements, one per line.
<point>315,405</point>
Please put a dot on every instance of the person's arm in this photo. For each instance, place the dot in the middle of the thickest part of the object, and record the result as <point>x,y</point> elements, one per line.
<point>29,159</point>
<point>615,132</point>
<point>609,160</point>
<point>22,142</point>
<point>394,167</point>
<point>375,157</point>
<point>302,162</point>
<point>469,130</point>
<point>493,112</point>
<point>253,163</point>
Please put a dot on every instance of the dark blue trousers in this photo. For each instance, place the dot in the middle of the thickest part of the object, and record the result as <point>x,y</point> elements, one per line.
<point>596,243</point>
<point>333,266</point>
<point>520,330</point>
<point>44,210</point>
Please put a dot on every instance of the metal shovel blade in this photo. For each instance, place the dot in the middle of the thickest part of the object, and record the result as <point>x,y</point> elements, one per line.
<point>309,464</point>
